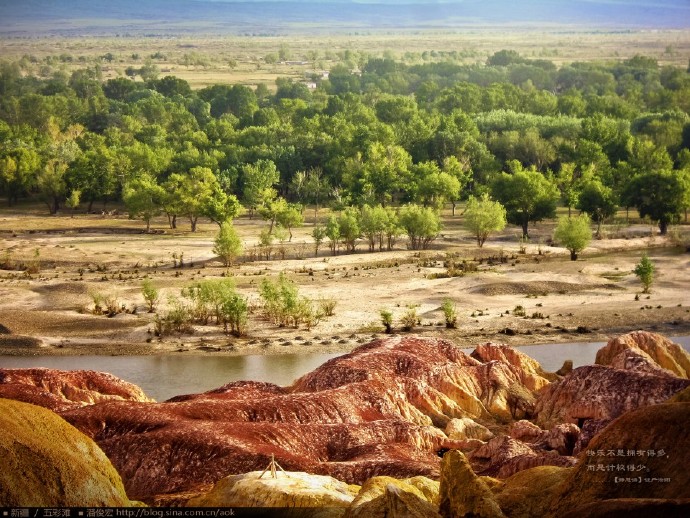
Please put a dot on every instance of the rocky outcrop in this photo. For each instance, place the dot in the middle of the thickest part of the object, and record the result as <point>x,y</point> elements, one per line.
<point>526,369</point>
<point>638,361</point>
<point>438,379</point>
<point>525,431</point>
<point>287,489</point>
<point>386,497</point>
<point>662,351</point>
<point>504,456</point>
<point>371,412</point>
<point>466,428</point>
<point>641,455</point>
<point>602,393</point>
<point>561,438</point>
<point>528,494</point>
<point>64,390</point>
<point>45,462</point>
<point>462,493</point>
<point>633,507</point>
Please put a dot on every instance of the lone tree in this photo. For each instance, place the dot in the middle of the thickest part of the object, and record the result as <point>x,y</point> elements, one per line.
<point>573,233</point>
<point>421,224</point>
<point>645,271</point>
<point>598,201</point>
<point>227,244</point>
<point>527,196</point>
<point>659,195</point>
<point>484,216</point>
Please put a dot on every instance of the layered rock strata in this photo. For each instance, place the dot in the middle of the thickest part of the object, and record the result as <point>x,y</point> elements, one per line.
<point>375,411</point>
<point>657,348</point>
<point>65,390</point>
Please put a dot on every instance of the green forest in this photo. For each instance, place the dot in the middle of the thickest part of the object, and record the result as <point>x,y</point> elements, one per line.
<point>385,145</point>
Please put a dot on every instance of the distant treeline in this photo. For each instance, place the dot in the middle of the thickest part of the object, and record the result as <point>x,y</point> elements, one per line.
<point>384,133</point>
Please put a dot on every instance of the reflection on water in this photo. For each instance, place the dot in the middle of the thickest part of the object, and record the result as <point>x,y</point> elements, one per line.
<point>163,377</point>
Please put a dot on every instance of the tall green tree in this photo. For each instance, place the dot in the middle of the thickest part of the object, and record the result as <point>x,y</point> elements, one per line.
<point>258,181</point>
<point>227,245</point>
<point>527,195</point>
<point>191,194</point>
<point>143,198</point>
<point>421,224</point>
<point>597,200</point>
<point>484,216</point>
<point>661,195</point>
<point>573,233</point>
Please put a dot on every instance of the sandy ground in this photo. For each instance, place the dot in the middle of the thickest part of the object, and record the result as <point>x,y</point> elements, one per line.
<point>49,312</point>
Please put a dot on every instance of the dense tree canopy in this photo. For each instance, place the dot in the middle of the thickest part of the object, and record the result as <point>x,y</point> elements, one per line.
<point>527,195</point>
<point>376,132</point>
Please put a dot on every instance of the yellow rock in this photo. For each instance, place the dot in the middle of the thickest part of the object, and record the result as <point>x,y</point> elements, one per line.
<point>661,350</point>
<point>462,492</point>
<point>529,493</point>
<point>387,497</point>
<point>46,462</point>
<point>291,489</point>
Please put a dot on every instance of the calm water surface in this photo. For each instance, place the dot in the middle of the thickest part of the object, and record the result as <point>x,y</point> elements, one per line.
<point>163,377</point>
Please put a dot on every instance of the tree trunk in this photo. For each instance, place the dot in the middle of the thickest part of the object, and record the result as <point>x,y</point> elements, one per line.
<point>193,220</point>
<point>148,225</point>
<point>525,225</point>
<point>663,227</point>
<point>573,255</point>
<point>453,203</point>
<point>173,222</point>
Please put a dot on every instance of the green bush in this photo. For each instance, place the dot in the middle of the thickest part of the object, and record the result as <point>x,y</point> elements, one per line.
<point>327,306</point>
<point>207,298</point>
<point>573,233</point>
<point>233,312</point>
<point>387,320</point>
<point>421,224</point>
<point>450,313</point>
<point>645,270</point>
<point>318,234</point>
<point>284,306</point>
<point>227,245</point>
<point>409,319</point>
<point>176,319</point>
<point>151,295</point>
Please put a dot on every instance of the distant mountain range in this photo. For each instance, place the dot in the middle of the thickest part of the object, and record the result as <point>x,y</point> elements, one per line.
<point>39,17</point>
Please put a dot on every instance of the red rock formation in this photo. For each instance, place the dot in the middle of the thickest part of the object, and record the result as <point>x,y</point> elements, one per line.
<point>602,393</point>
<point>526,369</point>
<point>650,443</point>
<point>367,413</point>
<point>63,390</point>
<point>504,456</point>
<point>525,431</point>
<point>439,379</point>
<point>659,349</point>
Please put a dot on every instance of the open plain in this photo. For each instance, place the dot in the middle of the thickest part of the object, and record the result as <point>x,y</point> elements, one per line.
<point>76,258</point>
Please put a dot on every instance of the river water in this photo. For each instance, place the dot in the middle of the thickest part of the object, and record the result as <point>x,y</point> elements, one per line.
<point>163,377</point>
